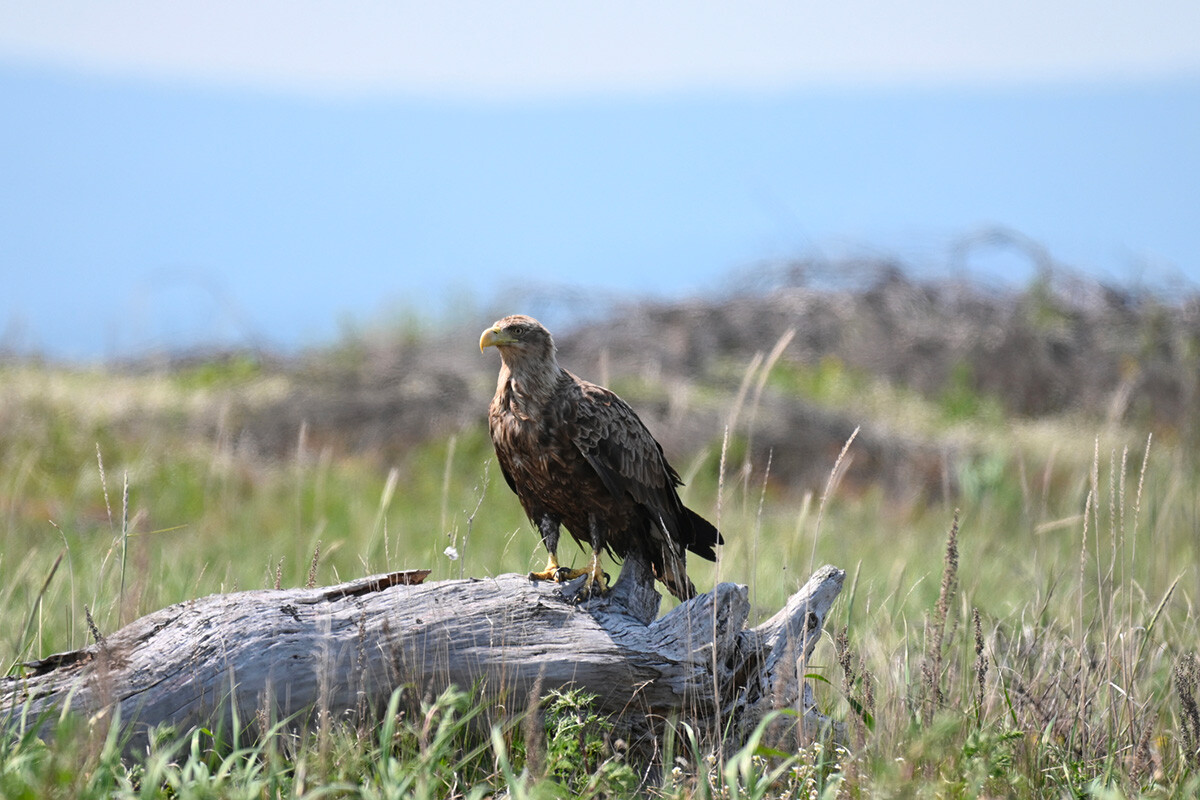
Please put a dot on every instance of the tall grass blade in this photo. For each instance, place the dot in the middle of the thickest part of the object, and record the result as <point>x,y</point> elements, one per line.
<point>26,640</point>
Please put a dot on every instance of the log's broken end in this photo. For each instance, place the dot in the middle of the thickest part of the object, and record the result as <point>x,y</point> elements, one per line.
<point>778,651</point>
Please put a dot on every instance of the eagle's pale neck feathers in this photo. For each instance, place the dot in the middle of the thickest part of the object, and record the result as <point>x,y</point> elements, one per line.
<point>532,376</point>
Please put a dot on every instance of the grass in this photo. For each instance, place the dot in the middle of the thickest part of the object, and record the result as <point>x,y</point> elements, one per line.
<point>1040,642</point>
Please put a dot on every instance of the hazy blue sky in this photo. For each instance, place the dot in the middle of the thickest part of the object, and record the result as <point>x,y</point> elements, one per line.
<point>176,173</point>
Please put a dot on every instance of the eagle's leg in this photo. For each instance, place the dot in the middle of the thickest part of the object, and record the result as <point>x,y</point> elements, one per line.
<point>597,582</point>
<point>548,525</point>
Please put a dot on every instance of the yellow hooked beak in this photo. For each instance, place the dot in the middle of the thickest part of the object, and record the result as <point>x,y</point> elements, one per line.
<point>493,337</point>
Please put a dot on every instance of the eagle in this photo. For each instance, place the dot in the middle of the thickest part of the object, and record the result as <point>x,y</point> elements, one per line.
<point>576,455</point>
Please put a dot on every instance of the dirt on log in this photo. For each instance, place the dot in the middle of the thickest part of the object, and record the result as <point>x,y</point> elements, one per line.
<point>343,650</point>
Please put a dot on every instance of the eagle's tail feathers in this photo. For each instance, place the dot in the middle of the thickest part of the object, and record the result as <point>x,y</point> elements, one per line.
<point>704,536</point>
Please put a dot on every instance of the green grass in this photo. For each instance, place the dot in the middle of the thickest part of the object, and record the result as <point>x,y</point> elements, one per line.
<point>1077,552</point>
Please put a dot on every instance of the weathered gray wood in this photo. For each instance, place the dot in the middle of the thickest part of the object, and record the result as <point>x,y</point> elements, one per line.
<point>784,644</point>
<point>344,649</point>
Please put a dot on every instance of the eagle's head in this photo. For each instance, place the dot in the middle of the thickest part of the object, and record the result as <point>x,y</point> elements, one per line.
<point>520,339</point>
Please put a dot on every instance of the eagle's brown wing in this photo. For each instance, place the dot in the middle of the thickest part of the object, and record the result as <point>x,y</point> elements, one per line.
<point>629,461</point>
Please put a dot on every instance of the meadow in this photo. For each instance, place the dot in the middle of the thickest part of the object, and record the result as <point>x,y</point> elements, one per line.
<point>1025,631</point>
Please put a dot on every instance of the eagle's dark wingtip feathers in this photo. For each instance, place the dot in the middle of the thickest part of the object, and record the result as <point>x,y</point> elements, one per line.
<point>705,536</point>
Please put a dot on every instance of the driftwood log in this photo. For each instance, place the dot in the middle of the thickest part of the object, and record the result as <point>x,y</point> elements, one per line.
<point>342,650</point>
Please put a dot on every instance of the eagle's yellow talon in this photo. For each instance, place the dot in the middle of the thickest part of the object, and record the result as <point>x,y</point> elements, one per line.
<point>553,572</point>
<point>549,573</point>
<point>597,583</point>
<point>564,574</point>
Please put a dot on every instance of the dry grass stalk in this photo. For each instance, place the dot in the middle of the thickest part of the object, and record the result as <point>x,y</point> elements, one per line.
<point>312,567</point>
<point>841,645</point>
<point>533,726</point>
<point>855,674</point>
<point>981,665</point>
<point>97,637</point>
<point>124,549</point>
<point>835,478</point>
<point>931,669</point>
<point>1187,673</point>
<point>104,484</point>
